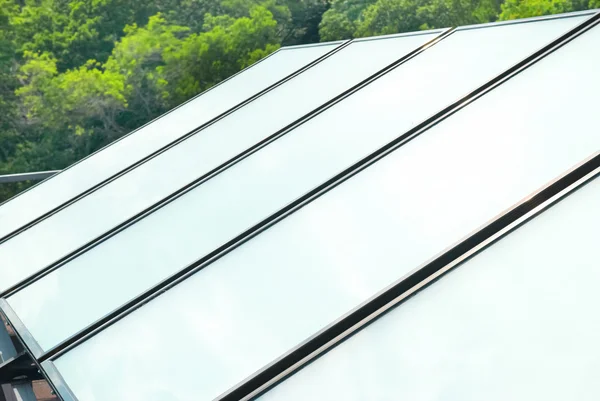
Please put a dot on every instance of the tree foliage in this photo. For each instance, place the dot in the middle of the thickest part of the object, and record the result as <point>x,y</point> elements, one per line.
<point>77,74</point>
<point>512,9</point>
<point>342,19</point>
<point>357,18</point>
<point>226,45</point>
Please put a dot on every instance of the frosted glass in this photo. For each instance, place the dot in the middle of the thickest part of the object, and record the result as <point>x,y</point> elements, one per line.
<point>518,322</point>
<point>156,179</point>
<point>61,188</point>
<point>284,285</point>
<point>195,224</point>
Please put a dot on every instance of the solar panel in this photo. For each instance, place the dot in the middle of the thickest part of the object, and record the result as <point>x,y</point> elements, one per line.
<point>197,158</point>
<point>265,244</point>
<point>517,322</point>
<point>213,213</point>
<point>44,198</point>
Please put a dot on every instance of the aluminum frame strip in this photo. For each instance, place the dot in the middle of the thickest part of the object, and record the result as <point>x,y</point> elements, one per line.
<point>35,176</point>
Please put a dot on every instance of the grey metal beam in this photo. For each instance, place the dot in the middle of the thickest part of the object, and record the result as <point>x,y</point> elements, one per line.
<point>36,176</point>
<point>22,391</point>
<point>7,393</point>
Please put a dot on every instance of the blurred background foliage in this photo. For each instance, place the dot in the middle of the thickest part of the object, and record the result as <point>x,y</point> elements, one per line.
<point>78,74</point>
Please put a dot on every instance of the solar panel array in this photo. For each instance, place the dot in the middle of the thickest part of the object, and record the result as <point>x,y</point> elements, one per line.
<point>228,249</point>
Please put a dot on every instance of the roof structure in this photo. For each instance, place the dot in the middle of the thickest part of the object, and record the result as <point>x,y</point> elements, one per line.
<point>396,217</point>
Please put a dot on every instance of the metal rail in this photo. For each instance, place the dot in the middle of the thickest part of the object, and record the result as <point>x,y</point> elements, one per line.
<point>36,176</point>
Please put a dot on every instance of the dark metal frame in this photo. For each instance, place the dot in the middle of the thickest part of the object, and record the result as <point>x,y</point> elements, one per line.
<point>25,358</point>
<point>19,366</point>
<point>6,393</point>
<point>348,324</point>
<point>442,33</point>
<point>95,187</point>
<point>37,176</point>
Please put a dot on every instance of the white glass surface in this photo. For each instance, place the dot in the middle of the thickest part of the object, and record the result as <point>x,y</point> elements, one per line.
<point>156,179</point>
<point>104,164</point>
<point>518,322</point>
<point>74,296</point>
<point>284,285</point>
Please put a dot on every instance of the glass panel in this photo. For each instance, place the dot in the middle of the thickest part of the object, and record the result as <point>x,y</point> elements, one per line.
<point>518,322</point>
<point>284,285</point>
<point>148,184</point>
<point>75,295</point>
<point>72,182</point>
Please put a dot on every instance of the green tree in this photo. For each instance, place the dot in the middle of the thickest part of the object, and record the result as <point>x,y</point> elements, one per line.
<point>68,114</point>
<point>82,101</point>
<point>9,137</point>
<point>359,18</point>
<point>306,16</point>
<point>227,45</point>
<point>341,20</point>
<point>513,9</point>
<point>448,13</point>
<point>139,58</point>
<point>187,13</point>
<point>389,16</point>
<point>295,18</point>
<point>77,74</point>
<point>78,30</point>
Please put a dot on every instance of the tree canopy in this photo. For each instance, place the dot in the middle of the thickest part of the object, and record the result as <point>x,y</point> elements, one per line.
<point>78,74</point>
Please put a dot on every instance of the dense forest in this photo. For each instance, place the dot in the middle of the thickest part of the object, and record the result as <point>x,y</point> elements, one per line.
<point>77,74</point>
